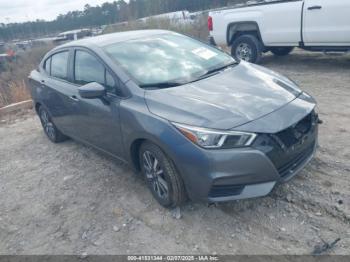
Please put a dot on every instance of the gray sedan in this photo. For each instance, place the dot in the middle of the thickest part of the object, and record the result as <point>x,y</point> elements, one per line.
<point>191,119</point>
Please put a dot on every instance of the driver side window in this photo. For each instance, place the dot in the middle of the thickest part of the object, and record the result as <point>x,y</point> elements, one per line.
<point>88,68</point>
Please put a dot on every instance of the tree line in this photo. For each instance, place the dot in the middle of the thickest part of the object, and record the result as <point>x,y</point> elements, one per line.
<point>107,13</point>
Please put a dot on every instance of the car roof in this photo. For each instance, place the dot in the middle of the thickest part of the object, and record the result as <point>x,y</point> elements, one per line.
<point>107,39</point>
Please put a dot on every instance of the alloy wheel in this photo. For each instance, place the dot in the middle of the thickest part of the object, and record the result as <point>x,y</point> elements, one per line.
<point>48,125</point>
<point>155,175</point>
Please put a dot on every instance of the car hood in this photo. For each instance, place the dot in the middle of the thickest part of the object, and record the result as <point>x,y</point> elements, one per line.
<point>236,96</point>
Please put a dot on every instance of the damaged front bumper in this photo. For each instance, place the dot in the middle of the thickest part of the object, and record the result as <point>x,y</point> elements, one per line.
<point>252,172</point>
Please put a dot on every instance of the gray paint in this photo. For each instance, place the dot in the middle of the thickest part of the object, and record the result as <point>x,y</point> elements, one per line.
<point>246,97</point>
<point>232,98</point>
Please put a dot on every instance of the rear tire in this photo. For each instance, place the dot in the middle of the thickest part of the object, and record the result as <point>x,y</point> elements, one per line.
<point>162,178</point>
<point>49,127</point>
<point>281,51</point>
<point>247,48</point>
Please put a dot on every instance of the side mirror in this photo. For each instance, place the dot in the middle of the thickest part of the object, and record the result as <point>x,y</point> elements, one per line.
<point>92,90</point>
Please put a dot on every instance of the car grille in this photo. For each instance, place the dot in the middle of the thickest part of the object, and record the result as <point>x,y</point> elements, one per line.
<point>294,164</point>
<point>291,147</point>
<point>293,135</point>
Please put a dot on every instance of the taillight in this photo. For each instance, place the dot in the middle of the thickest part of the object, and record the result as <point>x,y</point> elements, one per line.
<point>210,23</point>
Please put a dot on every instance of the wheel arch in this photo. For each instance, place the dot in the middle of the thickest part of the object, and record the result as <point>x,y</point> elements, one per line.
<point>135,160</point>
<point>235,29</point>
<point>134,149</point>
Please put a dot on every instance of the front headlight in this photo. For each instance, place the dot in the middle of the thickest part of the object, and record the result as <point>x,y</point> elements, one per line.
<point>213,139</point>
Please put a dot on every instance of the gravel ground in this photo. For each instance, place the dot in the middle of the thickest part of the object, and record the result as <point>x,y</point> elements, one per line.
<point>70,199</point>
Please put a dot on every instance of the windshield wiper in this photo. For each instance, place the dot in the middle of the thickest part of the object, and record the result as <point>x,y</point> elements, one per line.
<point>161,85</point>
<point>173,84</point>
<point>215,70</point>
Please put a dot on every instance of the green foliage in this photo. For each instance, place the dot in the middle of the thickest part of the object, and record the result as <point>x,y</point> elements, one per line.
<point>198,29</point>
<point>107,13</point>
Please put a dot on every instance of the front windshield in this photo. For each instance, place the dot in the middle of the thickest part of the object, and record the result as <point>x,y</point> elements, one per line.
<point>167,58</point>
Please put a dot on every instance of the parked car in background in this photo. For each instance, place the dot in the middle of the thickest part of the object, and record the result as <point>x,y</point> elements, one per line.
<point>74,34</point>
<point>279,26</point>
<point>9,54</point>
<point>186,115</point>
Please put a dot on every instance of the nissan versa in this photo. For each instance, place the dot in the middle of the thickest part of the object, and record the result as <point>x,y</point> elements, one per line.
<point>194,121</point>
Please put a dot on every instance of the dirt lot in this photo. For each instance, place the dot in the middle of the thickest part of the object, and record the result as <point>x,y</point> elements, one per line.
<point>70,199</point>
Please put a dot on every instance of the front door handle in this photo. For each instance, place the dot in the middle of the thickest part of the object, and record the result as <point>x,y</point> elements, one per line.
<point>314,7</point>
<point>74,97</point>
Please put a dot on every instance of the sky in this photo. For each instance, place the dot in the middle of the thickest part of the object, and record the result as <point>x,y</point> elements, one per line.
<point>29,10</point>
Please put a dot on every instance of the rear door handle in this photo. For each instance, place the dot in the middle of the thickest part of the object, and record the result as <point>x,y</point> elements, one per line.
<point>75,98</point>
<point>314,7</point>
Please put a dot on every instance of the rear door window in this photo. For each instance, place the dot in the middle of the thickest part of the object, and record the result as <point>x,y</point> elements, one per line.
<point>59,64</point>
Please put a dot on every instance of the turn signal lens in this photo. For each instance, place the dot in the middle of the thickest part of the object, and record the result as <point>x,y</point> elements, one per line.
<point>189,135</point>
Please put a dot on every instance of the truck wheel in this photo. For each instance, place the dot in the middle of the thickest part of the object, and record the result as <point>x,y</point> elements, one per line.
<point>162,178</point>
<point>281,51</point>
<point>247,48</point>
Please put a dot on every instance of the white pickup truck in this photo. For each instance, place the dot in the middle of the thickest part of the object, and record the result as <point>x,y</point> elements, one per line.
<point>279,26</point>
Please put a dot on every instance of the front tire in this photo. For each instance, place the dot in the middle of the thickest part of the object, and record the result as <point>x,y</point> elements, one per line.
<point>162,178</point>
<point>247,48</point>
<point>281,51</point>
<point>49,127</point>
